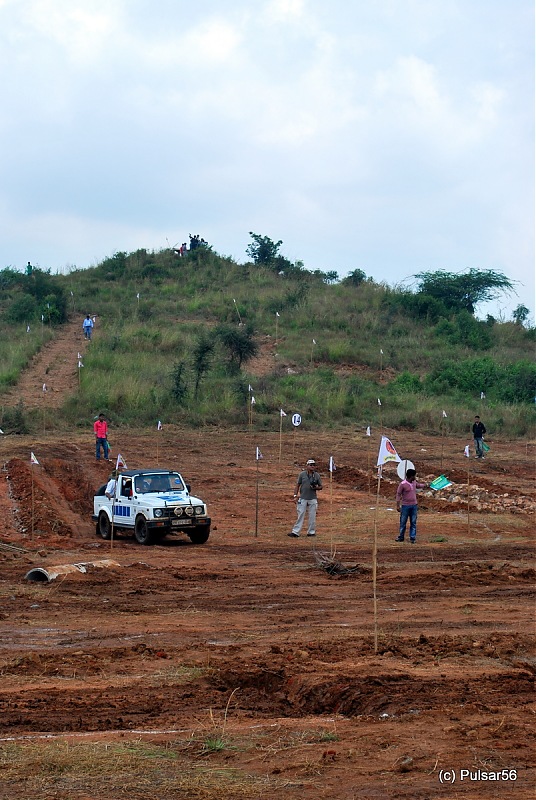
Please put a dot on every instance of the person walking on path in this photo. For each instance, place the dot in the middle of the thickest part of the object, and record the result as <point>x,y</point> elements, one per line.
<point>479,430</point>
<point>100,428</point>
<point>307,485</point>
<point>406,505</point>
<point>87,327</point>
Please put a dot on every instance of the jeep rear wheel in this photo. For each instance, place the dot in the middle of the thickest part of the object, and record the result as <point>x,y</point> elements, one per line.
<point>104,527</point>
<point>142,532</point>
<point>199,536</point>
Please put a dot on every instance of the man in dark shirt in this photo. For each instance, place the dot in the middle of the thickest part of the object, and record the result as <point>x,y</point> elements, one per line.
<point>478,434</point>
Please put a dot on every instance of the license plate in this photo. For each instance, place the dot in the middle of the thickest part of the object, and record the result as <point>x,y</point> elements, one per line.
<point>177,522</point>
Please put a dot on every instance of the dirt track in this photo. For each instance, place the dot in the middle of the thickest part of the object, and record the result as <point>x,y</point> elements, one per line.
<point>157,648</point>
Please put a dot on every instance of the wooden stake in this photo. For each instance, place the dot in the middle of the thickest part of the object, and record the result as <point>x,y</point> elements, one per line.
<point>332,552</point>
<point>32,528</point>
<point>280,434</point>
<point>468,497</point>
<point>368,463</point>
<point>257,498</point>
<point>375,562</point>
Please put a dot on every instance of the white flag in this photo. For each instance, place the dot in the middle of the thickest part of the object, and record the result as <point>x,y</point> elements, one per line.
<point>94,318</point>
<point>444,413</point>
<point>72,295</point>
<point>482,396</point>
<point>282,413</point>
<point>42,317</point>
<point>258,454</point>
<point>159,426</point>
<point>379,401</point>
<point>314,341</point>
<point>27,329</point>
<point>80,364</point>
<point>387,452</point>
<point>252,400</point>
<point>332,466</point>
<point>44,387</point>
<point>368,431</point>
<point>1,431</point>
<point>277,314</point>
<point>138,296</point>
<point>33,459</point>
<point>250,388</point>
<point>120,462</point>
<point>467,452</point>
<point>381,352</point>
<point>79,356</point>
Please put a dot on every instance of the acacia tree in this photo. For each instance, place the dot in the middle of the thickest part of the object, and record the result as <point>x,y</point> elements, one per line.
<point>464,290</point>
<point>262,250</point>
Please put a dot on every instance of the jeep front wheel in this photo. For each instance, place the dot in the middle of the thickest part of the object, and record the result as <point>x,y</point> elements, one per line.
<point>104,526</point>
<point>142,532</point>
<point>199,536</point>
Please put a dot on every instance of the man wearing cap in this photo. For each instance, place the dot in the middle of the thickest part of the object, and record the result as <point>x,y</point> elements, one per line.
<point>307,485</point>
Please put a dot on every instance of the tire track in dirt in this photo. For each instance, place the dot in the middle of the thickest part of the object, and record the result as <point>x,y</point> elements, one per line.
<point>55,365</point>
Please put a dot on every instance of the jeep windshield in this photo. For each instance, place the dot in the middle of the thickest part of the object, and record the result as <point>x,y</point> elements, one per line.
<point>171,482</point>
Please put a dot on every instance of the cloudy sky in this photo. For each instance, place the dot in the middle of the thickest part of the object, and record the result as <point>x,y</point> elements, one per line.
<point>392,136</point>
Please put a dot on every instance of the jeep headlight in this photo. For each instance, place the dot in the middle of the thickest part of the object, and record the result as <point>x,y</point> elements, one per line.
<point>198,510</point>
<point>158,512</point>
<point>189,511</point>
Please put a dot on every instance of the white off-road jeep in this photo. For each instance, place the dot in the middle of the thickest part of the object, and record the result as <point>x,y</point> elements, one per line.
<point>151,503</point>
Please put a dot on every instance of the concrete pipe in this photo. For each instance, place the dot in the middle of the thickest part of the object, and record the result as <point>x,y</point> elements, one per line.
<point>47,574</point>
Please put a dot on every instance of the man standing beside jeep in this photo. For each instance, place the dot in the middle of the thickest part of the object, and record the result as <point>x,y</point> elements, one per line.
<point>307,485</point>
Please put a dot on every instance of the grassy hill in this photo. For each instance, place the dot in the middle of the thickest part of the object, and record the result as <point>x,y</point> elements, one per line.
<point>183,350</point>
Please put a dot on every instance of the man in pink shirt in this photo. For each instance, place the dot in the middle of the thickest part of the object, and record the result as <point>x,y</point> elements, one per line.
<point>100,428</point>
<point>406,504</point>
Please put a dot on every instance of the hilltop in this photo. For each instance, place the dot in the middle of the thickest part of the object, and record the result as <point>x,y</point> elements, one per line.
<point>192,338</point>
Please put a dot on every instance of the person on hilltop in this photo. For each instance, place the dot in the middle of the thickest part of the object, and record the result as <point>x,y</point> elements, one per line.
<point>478,435</point>
<point>100,428</point>
<point>406,505</point>
<point>307,485</point>
<point>87,327</point>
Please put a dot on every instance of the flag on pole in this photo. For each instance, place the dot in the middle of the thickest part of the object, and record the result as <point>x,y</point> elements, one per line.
<point>44,387</point>
<point>94,318</point>
<point>253,401</point>
<point>379,401</point>
<point>381,352</point>
<point>467,452</point>
<point>314,341</point>
<point>282,413</point>
<point>258,454</point>
<point>250,388</point>
<point>80,364</point>
<point>159,426</point>
<point>440,483</point>
<point>368,431</point>
<point>33,459</point>
<point>277,314</point>
<point>42,317</point>
<point>332,466</point>
<point>444,413</point>
<point>387,453</point>
<point>27,329</point>
<point>120,463</point>
<point>79,356</point>
<point>138,296</point>
<point>482,396</point>
<point>72,295</point>
<point>1,431</point>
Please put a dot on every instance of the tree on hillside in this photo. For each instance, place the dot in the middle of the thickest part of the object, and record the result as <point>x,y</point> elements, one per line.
<point>520,314</point>
<point>239,342</point>
<point>354,278</point>
<point>262,250</point>
<point>202,352</point>
<point>464,290</point>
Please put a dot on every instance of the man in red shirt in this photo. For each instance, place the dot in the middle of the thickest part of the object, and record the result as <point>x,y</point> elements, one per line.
<point>406,504</point>
<point>100,429</point>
